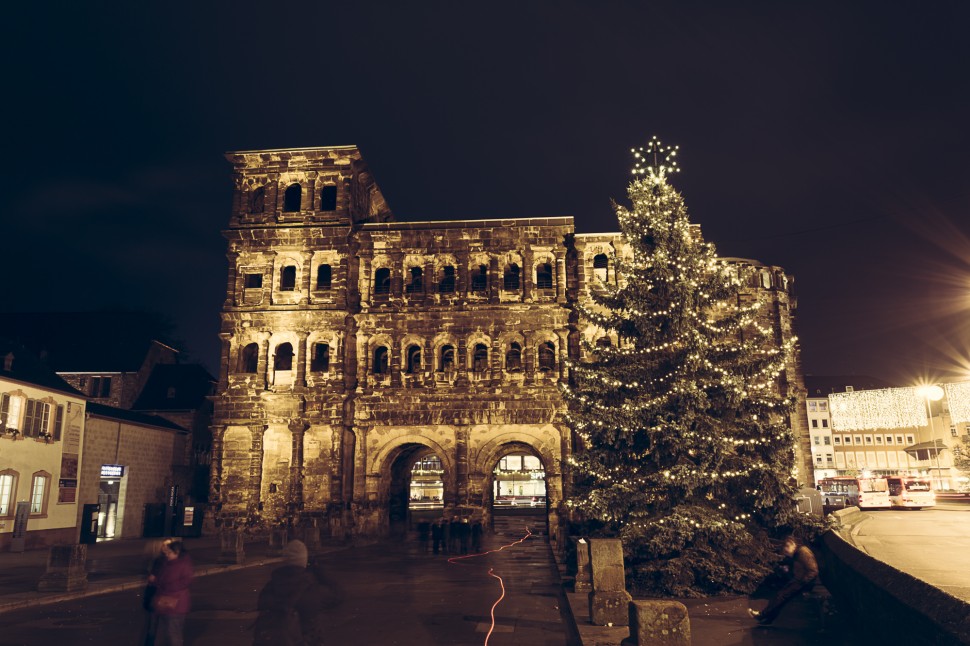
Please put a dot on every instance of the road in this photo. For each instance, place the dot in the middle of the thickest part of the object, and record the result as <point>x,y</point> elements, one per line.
<point>931,544</point>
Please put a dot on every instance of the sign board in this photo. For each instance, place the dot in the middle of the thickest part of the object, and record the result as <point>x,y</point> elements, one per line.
<point>189,517</point>
<point>112,470</point>
<point>66,490</point>
<point>19,536</point>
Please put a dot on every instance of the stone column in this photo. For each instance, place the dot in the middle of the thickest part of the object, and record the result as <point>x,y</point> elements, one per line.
<point>301,359</point>
<point>233,286</point>
<point>461,464</point>
<point>428,363</point>
<point>562,353</point>
<point>363,361</point>
<point>526,276</point>
<point>215,469</point>
<point>462,362</point>
<point>224,361</point>
<point>497,358</point>
<point>609,600</point>
<point>560,277</point>
<point>394,362</point>
<point>263,363</point>
<point>256,464</point>
<point>494,280</point>
<point>529,356</point>
<point>298,429</point>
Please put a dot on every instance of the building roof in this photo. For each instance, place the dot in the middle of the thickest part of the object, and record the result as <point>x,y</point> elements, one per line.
<point>105,341</point>
<point>25,367</point>
<point>175,387</point>
<point>923,446</point>
<point>823,386</point>
<point>142,419</point>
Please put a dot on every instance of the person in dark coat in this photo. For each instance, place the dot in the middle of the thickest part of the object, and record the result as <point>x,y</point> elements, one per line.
<point>291,605</point>
<point>171,601</point>
<point>804,574</point>
<point>464,534</point>
<point>445,534</point>
<point>454,534</point>
<point>477,536</point>
<point>424,531</point>
<point>437,534</point>
<point>151,620</point>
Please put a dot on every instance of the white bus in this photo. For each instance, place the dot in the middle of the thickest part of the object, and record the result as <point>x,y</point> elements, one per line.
<point>864,493</point>
<point>909,492</point>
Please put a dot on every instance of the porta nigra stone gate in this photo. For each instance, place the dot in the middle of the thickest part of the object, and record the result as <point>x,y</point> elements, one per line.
<point>354,345</point>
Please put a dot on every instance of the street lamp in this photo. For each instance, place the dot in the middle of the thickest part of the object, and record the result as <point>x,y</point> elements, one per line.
<point>933,393</point>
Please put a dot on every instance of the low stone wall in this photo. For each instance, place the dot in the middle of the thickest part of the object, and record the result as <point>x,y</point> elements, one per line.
<point>896,607</point>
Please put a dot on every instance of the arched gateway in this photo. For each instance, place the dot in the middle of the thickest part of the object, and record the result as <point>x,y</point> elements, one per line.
<point>355,347</point>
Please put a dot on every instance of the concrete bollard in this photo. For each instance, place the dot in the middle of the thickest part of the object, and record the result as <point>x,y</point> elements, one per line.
<point>658,623</point>
<point>231,546</point>
<point>66,569</point>
<point>608,602</point>
<point>584,573</point>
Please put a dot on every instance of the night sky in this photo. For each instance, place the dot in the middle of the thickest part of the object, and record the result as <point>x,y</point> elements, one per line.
<point>829,139</point>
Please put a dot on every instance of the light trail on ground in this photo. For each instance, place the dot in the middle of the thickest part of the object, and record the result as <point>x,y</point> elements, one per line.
<point>491,572</point>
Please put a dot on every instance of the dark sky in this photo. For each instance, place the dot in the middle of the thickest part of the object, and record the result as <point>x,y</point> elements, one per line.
<point>830,138</point>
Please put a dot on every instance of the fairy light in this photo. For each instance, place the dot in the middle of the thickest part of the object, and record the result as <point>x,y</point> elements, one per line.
<point>871,409</point>
<point>958,395</point>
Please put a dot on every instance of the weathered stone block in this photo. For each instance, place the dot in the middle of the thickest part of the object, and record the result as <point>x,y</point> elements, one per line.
<point>584,573</point>
<point>609,608</point>
<point>231,546</point>
<point>658,623</point>
<point>66,570</point>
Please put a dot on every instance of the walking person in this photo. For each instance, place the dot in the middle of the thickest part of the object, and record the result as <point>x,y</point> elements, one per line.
<point>437,534</point>
<point>171,601</point>
<point>804,574</point>
<point>464,534</point>
<point>154,568</point>
<point>291,605</point>
<point>477,536</point>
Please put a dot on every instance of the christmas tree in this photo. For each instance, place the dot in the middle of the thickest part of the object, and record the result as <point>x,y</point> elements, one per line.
<point>686,452</point>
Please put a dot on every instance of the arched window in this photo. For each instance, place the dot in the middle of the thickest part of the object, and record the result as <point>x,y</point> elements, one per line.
<point>480,358</point>
<point>416,286</point>
<point>293,198</point>
<point>381,361</point>
<point>288,278</point>
<point>480,279</point>
<point>324,277</point>
<point>447,362</point>
<point>600,266</point>
<point>40,484</point>
<point>513,358</point>
<point>249,358</point>
<point>382,281</point>
<point>257,201</point>
<point>413,356</point>
<point>328,198</point>
<point>320,361</point>
<point>447,283</point>
<point>547,356</point>
<point>8,492</point>
<point>510,280</point>
<point>284,357</point>
<point>544,276</point>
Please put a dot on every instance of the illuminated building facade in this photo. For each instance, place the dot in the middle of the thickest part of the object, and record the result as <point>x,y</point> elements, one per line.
<point>354,347</point>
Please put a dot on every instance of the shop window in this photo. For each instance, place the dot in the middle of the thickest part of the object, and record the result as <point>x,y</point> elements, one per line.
<point>447,361</point>
<point>253,281</point>
<point>544,276</point>
<point>416,286</point>
<point>600,266</point>
<point>547,356</point>
<point>249,358</point>
<point>292,198</point>
<point>39,488</point>
<point>480,279</point>
<point>381,363</point>
<point>513,358</point>
<point>8,492</point>
<point>257,202</point>
<point>448,280</point>
<point>480,358</point>
<point>510,279</point>
<point>283,360</point>
<point>382,281</point>
<point>413,365</point>
<point>328,198</point>
<point>320,361</point>
<point>324,277</point>
<point>288,278</point>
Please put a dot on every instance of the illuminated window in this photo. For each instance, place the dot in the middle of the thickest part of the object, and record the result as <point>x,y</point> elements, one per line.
<point>320,361</point>
<point>257,201</point>
<point>249,358</point>
<point>288,278</point>
<point>823,407</point>
<point>8,490</point>
<point>253,281</point>
<point>39,485</point>
<point>328,198</point>
<point>826,440</point>
<point>381,361</point>
<point>510,280</point>
<point>283,359</point>
<point>324,277</point>
<point>292,198</point>
<point>544,276</point>
<point>811,407</point>
<point>382,281</point>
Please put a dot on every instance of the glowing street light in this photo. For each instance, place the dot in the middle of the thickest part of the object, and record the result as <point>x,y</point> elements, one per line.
<point>933,393</point>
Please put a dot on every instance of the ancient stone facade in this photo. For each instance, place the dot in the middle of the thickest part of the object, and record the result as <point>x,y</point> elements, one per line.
<point>353,345</point>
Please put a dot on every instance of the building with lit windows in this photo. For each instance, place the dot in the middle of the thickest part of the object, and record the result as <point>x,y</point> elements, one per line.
<point>355,347</point>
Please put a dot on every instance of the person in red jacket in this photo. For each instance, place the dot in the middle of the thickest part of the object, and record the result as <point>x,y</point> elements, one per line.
<point>804,573</point>
<point>172,601</point>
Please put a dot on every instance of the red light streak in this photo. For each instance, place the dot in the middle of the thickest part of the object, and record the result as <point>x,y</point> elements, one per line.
<point>491,572</point>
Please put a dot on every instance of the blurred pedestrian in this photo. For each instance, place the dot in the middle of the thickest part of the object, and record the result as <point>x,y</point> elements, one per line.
<point>437,534</point>
<point>424,531</point>
<point>454,534</point>
<point>291,605</point>
<point>171,601</point>
<point>804,574</point>
<point>154,549</point>
<point>464,534</point>
<point>477,535</point>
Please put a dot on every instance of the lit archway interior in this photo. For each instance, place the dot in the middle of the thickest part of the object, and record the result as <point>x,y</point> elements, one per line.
<point>519,480</point>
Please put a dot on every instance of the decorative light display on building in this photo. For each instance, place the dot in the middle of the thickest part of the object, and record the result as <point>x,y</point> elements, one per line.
<point>959,397</point>
<point>871,409</point>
